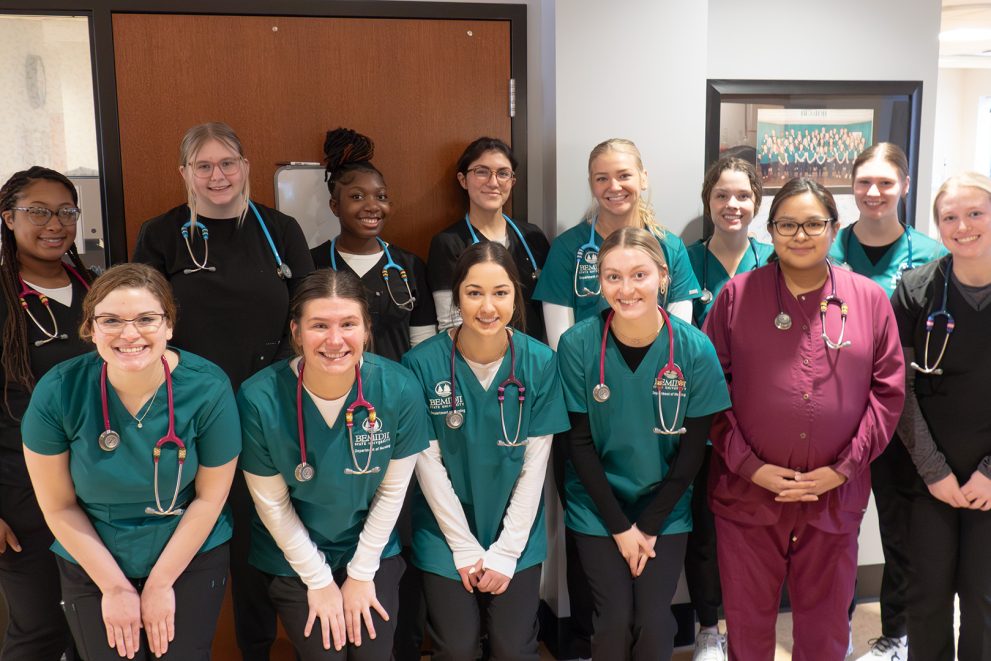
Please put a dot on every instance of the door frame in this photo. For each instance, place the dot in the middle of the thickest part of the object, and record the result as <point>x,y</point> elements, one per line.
<point>100,13</point>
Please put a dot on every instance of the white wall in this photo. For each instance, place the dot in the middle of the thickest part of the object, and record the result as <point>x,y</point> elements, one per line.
<point>962,142</point>
<point>851,40</point>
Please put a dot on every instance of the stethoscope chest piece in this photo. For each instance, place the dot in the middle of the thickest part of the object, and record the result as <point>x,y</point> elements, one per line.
<point>454,419</point>
<point>284,271</point>
<point>782,321</point>
<point>304,472</point>
<point>706,297</point>
<point>601,393</point>
<point>109,440</point>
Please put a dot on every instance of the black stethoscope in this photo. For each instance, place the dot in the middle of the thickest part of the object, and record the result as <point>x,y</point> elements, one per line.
<point>529,255</point>
<point>282,269</point>
<point>456,419</point>
<point>390,263</point>
<point>931,323</point>
<point>706,296</point>
<point>904,266</point>
<point>782,321</point>
<point>669,374</point>
<point>30,291</point>
<point>304,471</point>
<point>109,441</point>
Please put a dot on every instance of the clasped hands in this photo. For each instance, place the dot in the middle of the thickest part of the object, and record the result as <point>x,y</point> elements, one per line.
<point>791,486</point>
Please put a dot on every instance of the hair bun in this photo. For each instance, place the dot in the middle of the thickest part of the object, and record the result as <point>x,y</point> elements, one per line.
<point>343,146</point>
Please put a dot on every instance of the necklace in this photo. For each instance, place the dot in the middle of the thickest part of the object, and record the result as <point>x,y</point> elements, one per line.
<point>636,341</point>
<point>151,403</point>
<point>461,348</point>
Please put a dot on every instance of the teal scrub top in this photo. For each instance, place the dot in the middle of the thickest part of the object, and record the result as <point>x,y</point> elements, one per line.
<point>333,505</point>
<point>556,284</point>
<point>635,459</point>
<point>715,274</point>
<point>888,271</point>
<point>482,472</point>
<point>114,488</point>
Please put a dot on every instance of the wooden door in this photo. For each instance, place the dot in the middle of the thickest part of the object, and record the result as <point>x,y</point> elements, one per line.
<point>422,89</point>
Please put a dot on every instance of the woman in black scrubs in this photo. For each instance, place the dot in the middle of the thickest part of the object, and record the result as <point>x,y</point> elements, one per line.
<point>43,296</point>
<point>399,300</point>
<point>233,264</point>
<point>487,173</point>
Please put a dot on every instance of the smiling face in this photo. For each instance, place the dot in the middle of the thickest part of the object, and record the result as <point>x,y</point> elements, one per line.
<point>332,334</point>
<point>617,182</point>
<point>631,281</point>
<point>49,242</point>
<point>964,217</point>
<point>731,202</point>
<point>361,204</point>
<point>219,195</point>
<point>486,298</point>
<point>802,252</point>
<point>489,194</point>
<point>131,349</point>
<point>877,188</point>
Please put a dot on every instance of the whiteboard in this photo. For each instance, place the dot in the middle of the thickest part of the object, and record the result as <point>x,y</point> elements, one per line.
<point>300,192</point>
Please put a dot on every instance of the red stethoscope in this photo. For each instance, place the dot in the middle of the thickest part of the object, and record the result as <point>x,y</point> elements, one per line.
<point>667,374</point>
<point>29,291</point>
<point>455,419</point>
<point>110,440</point>
<point>304,471</point>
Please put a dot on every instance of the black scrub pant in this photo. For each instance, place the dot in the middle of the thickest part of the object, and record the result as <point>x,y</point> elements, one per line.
<point>199,593</point>
<point>455,624</point>
<point>632,618</point>
<point>255,625</point>
<point>288,594</point>
<point>411,617</point>
<point>36,630</point>
<point>701,565</point>
<point>951,548</point>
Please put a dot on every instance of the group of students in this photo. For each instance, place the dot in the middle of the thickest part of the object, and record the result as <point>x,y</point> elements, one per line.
<point>780,410</point>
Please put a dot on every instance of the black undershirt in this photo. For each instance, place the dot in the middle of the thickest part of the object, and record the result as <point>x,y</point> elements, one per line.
<point>876,253</point>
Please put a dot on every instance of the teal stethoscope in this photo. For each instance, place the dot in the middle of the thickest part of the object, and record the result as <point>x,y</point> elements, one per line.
<point>931,322</point>
<point>282,269</point>
<point>904,266</point>
<point>706,296</point>
<point>519,235</point>
<point>389,264</point>
<point>589,251</point>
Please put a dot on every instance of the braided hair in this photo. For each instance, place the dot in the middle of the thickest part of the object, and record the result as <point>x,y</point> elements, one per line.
<point>14,357</point>
<point>346,152</point>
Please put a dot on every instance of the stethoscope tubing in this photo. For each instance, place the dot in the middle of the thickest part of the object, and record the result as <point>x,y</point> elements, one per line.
<point>526,247</point>
<point>43,299</point>
<point>951,324</point>
<point>390,263</point>
<point>282,269</point>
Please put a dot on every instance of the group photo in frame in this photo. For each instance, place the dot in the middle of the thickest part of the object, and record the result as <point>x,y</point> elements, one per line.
<point>814,129</point>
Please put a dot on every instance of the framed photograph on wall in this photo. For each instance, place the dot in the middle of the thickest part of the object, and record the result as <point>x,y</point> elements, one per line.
<point>790,128</point>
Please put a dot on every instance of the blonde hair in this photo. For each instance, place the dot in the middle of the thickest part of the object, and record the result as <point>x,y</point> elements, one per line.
<point>957,181</point>
<point>645,211</point>
<point>637,239</point>
<point>191,144</point>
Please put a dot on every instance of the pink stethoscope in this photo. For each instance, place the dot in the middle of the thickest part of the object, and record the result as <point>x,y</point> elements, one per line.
<point>670,371</point>
<point>110,440</point>
<point>304,471</point>
<point>29,291</point>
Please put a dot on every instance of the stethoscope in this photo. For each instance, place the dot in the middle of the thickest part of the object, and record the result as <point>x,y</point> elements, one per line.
<point>589,248</point>
<point>931,323</point>
<point>669,372</point>
<point>456,419</point>
<point>109,441</point>
<point>706,296</point>
<point>519,234</point>
<point>29,291</point>
<point>782,321</point>
<point>305,472</point>
<point>282,269</point>
<point>390,263</point>
<point>905,266</point>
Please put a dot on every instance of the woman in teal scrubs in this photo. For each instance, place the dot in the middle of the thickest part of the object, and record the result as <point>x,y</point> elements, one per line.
<point>330,443</point>
<point>569,283</point>
<point>629,475</point>
<point>494,397</point>
<point>131,450</point>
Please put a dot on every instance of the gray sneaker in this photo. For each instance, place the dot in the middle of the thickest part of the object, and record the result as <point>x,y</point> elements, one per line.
<point>709,647</point>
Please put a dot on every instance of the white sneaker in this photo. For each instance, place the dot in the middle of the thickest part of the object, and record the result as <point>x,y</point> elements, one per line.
<point>887,649</point>
<point>709,647</point>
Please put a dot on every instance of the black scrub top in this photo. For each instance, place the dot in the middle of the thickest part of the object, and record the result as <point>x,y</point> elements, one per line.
<point>390,324</point>
<point>447,246</point>
<point>236,316</point>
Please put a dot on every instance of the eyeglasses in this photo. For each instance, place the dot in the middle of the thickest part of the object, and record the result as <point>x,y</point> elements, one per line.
<point>483,173</point>
<point>40,216</point>
<point>811,227</point>
<point>148,322</point>
<point>204,169</point>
